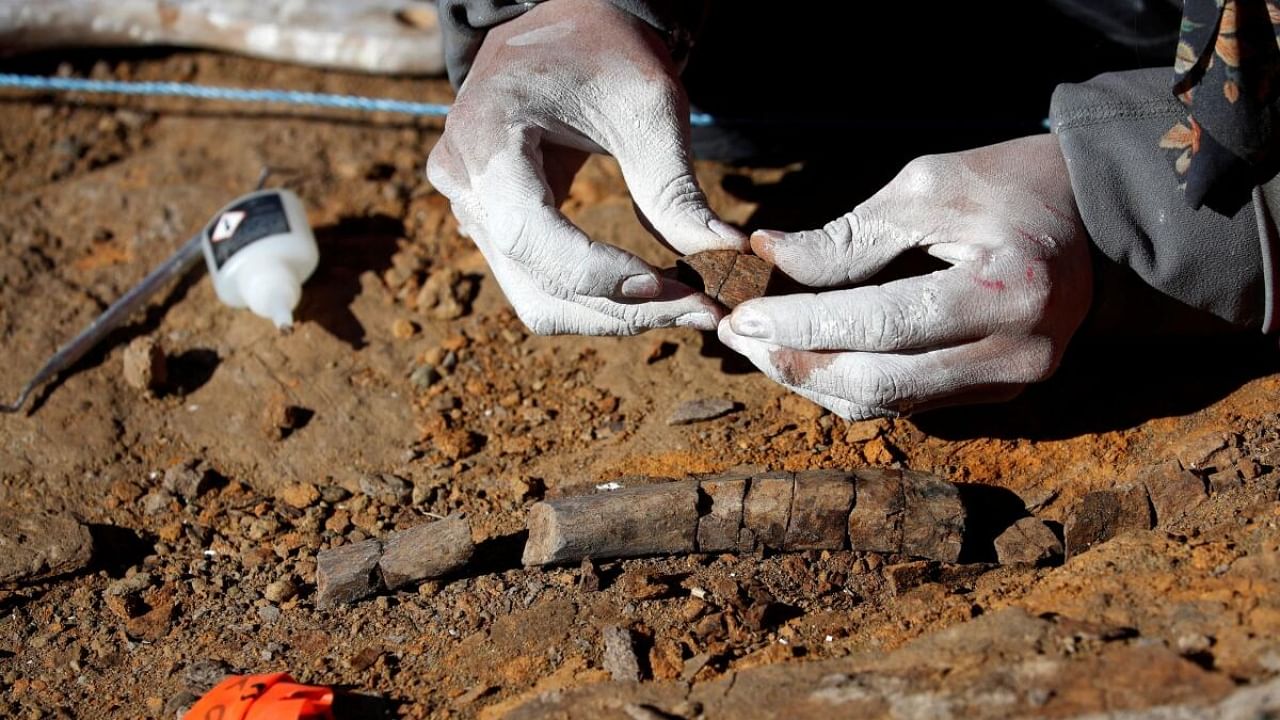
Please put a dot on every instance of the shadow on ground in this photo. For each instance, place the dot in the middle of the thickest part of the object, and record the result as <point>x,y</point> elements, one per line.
<point>348,249</point>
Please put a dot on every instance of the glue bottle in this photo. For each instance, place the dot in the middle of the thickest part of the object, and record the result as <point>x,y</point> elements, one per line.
<point>260,250</point>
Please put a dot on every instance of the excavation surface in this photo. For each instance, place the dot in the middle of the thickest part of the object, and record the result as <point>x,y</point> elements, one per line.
<point>409,390</point>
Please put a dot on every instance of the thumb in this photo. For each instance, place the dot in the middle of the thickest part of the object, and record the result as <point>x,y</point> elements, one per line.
<point>658,168</point>
<point>849,249</point>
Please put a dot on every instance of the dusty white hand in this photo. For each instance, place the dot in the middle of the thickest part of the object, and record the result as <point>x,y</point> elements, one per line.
<point>566,78</point>
<point>1018,286</point>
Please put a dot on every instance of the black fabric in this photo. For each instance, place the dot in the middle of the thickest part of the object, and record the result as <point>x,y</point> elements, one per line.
<point>465,22</point>
<point>1227,73</point>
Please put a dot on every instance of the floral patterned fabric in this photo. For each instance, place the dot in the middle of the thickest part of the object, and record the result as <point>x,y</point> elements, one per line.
<point>1227,73</point>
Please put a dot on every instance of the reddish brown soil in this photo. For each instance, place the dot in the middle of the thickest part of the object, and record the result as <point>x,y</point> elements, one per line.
<point>99,190</point>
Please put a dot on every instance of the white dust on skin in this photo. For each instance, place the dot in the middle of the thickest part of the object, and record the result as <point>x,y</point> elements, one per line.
<point>543,35</point>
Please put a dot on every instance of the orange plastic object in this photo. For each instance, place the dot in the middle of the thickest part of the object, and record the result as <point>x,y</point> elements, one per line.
<point>263,697</point>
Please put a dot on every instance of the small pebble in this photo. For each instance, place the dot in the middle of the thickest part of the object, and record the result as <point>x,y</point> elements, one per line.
<point>281,590</point>
<point>145,365</point>
<point>424,376</point>
<point>300,495</point>
<point>701,410</point>
<point>403,329</point>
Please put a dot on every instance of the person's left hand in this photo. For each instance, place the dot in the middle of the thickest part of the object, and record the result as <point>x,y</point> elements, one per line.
<point>1019,285</point>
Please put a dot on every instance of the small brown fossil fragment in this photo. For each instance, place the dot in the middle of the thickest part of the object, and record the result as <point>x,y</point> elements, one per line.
<point>727,276</point>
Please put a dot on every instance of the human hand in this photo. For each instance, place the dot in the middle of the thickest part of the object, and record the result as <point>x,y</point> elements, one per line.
<point>1019,285</point>
<point>566,78</point>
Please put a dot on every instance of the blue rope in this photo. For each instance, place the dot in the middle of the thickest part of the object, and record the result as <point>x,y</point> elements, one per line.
<point>242,95</point>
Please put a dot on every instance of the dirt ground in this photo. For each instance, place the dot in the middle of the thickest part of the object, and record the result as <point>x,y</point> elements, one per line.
<point>408,362</point>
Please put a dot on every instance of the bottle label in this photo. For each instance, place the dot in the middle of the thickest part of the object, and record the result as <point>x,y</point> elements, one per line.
<point>245,223</point>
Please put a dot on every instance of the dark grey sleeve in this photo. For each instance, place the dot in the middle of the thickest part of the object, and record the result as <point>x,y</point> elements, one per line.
<point>1127,192</point>
<point>465,22</point>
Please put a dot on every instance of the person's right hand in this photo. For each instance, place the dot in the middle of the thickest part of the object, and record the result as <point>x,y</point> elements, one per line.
<point>566,78</point>
<point>1017,288</point>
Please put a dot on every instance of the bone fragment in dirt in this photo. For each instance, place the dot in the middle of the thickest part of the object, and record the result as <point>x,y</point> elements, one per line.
<point>727,276</point>
<point>904,512</point>
<point>428,551</point>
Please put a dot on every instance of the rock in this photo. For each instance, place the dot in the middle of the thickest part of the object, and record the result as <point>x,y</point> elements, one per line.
<point>425,552</point>
<point>766,511</point>
<point>263,527</point>
<point>1225,480</point>
<point>301,495</point>
<point>1249,468</point>
<point>1173,491</point>
<point>178,705</point>
<point>189,480</point>
<point>666,658</point>
<point>879,451</point>
<point>800,408</point>
<point>820,509</point>
<point>588,576</point>
<point>906,576</point>
<point>694,665</point>
<point>125,491</point>
<point>701,410</point>
<point>402,329</point>
<point>145,365</point>
<point>364,659</point>
<point>864,430</point>
<point>658,519</point>
<point>333,494</point>
<point>126,607</point>
<point>34,546</point>
<point>445,295</point>
<point>269,614</point>
<point>475,693</point>
<point>1193,643</point>
<point>456,444</point>
<point>131,585</point>
<point>660,350</point>
<point>424,376</point>
<point>157,501</point>
<point>1029,541</point>
<point>280,418</point>
<point>1103,514</point>
<point>203,675</point>
<point>720,500</point>
<point>157,616</point>
<point>386,488</point>
<point>1197,451</point>
<point>348,573</point>
<point>642,584</point>
<point>620,659</point>
<point>281,590</point>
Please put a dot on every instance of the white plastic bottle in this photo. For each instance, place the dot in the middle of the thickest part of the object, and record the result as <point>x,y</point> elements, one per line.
<point>260,250</point>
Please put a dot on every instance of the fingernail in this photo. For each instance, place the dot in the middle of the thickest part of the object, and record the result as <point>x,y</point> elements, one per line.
<point>727,231</point>
<point>763,241</point>
<point>697,320</point>
<point>749,323</point>
<point>643,285</point>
